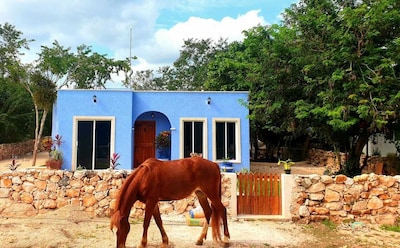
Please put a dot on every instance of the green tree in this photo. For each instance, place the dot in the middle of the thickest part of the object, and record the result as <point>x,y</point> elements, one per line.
<point>188,72</point>
<point>228,69</point>
<point>44,94</point>
<point>84,70</point>
<point>352,69</point>
<point>16,115</point>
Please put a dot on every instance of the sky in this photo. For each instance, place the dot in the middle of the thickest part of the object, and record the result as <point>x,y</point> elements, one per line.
<point>151,30</point>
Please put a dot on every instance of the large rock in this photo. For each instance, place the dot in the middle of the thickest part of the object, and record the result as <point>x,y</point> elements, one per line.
<point>19,210</point>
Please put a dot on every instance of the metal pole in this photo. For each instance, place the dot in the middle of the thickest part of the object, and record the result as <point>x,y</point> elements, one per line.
<point>130,46</point>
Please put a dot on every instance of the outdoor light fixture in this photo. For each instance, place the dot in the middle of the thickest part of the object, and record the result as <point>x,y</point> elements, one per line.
<point>152,115</point>
<point>94,98</point>
<point>209,100</point>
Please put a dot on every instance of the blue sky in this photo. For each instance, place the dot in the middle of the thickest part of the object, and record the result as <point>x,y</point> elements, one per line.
<point>159,27</point>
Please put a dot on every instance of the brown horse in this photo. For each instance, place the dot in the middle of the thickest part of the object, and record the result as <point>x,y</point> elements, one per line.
<point>155,180</point>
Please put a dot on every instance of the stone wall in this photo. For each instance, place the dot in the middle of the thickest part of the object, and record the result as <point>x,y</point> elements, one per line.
<point>368,198</point>
<point>15,149</point>
<point>332,160</point>
<point>31,192</point>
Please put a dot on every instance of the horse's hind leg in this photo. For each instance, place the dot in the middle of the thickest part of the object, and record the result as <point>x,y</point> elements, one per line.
<point>158,220</point>
<point>207,212</point>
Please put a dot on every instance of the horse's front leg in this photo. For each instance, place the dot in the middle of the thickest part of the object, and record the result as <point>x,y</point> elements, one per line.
<point>122,232</point>
<point>158,220</point>
<point>147,217</point>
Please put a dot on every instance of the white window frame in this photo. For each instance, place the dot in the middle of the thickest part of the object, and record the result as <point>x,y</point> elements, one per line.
<point>181,134</point>
<point>76,119</point>
<point>238,139</point>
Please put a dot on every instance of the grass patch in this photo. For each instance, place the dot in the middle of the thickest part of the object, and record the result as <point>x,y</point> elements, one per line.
<point>392,228</point>
<point>329,224</point>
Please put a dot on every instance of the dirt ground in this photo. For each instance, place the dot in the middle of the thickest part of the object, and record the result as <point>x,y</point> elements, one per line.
<point>70,227</point>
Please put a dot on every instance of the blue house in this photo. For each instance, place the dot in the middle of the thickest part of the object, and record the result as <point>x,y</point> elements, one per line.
<point>94,124</point>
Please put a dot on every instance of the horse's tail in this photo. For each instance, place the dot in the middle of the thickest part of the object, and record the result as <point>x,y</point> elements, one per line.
<point>216,217</point>
<point>216,223</point>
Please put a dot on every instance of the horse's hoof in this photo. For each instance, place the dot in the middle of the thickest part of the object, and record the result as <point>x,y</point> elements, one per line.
<point>225,244</point>
<point>199,242</point>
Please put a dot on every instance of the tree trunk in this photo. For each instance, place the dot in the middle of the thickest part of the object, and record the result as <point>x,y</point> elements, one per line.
<point>353,167</point>
<point>38,134</point>
<point>35,144</point>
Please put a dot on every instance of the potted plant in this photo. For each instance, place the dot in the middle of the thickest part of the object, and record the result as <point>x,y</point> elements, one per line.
<point>163,143</point>
<point>287,165</point>
<point>226,165</point>
<point>56,157</point>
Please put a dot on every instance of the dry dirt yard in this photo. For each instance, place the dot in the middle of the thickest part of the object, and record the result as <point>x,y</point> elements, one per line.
<point>70,227</point>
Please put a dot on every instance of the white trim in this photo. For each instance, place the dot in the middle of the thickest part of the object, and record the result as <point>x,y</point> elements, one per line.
<point>181,134</point>
<point>75,134</point>
<point>238,138</point>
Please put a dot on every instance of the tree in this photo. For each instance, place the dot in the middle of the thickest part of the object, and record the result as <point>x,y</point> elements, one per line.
<point>61,68</point>
<point>44,94</point>
<point>229,68</point>
<point>16,116</point>
<point>188,72</point>
<point>84,70</point>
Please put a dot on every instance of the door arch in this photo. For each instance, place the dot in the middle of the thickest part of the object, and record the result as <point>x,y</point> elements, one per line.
<point>146,128</point>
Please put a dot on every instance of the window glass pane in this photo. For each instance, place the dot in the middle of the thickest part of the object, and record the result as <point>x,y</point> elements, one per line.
<point>220,140</point>
<point>102,149</point>
<point>198,137</point>
<point>187,139</point>
<point>85,144</point>
<point>231,137</point>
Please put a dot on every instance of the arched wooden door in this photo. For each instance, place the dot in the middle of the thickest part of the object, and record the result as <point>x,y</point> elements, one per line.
<point>144,147</point>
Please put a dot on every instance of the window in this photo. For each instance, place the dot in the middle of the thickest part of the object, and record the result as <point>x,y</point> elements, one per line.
<point>94,142</point>
<point>193,137</point>
<point>226,139</point>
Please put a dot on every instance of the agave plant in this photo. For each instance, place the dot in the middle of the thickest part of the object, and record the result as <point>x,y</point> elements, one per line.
<point>14,165</point>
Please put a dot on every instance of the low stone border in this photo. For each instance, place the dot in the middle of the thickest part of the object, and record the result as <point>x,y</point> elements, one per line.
<point>30,192</point>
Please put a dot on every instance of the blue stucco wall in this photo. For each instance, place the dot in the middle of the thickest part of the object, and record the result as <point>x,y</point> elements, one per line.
<point>129,106</point>
<point>72,103</point>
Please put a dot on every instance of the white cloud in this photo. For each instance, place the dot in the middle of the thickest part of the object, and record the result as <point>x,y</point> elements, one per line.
<point>105,25</point>
<point>165,46</point>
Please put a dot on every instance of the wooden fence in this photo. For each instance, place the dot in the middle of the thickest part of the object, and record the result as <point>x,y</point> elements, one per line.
<point>259,194</point>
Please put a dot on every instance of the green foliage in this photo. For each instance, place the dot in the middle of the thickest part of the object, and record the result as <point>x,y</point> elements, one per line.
<point>188,72</point>
<point>44,91</point>
<point>16,116</point>
<point>392,228</point>
<point>84,70</point>
<point>329,224</point>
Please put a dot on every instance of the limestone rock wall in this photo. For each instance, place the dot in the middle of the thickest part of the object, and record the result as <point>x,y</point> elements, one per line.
<point>31,192</point>
<point>15,149</point>
<point>369,198</point>
<point>332,160</point>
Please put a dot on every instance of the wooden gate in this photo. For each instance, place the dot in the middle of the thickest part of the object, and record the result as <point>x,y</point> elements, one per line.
<point>259,194</point>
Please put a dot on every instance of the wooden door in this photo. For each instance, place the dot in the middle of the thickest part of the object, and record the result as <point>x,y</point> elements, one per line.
<point>144,147</point>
